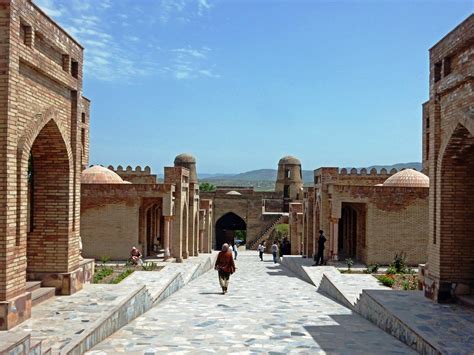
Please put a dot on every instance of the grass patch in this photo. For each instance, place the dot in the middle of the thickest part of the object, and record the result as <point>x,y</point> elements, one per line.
<point>386,280</point>
<point>122,276</point>
<point>102,273</point>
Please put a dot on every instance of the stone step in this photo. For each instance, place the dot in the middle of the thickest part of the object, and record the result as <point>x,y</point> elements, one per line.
<point>35,348</point>
<point>42,294</point>
<point>466,300</point>
<point>32,285</point>
<point>14,343</point>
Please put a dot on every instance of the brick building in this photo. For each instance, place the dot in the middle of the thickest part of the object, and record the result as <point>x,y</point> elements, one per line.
<point>368,217</point>
<point>448,155</point>
<point>122,208</point>
<point>44,134</point>
<point>256,212</point>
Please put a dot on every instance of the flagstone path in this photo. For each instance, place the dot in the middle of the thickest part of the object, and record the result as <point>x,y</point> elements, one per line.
<point>268,310</point>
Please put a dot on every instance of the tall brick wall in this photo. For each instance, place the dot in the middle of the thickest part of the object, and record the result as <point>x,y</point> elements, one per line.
<point>451,121</point>
<point>391,232</point>
<point>104,232</point>
<point>42,69</point>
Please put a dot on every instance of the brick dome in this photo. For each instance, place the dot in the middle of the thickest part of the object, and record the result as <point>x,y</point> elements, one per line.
<point>99,175</point>
<point>184,158</point>
<point>408,178</point>
<point>291,160</point>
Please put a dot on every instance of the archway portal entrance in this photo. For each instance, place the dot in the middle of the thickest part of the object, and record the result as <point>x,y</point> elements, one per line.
<point>457,206</point>
<point>229,228</point>
<point>351,230</point>
<point>49,203</point>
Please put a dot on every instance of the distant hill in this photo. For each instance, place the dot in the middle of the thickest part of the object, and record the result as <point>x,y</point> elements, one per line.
<point>261,177</point>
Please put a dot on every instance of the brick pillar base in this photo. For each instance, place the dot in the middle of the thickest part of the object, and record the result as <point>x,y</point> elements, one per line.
<point>66,283</point>
<point>15,311</point>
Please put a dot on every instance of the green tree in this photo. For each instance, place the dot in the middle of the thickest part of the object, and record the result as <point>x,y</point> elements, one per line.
<point>282,230</point>
<point>206,187</point>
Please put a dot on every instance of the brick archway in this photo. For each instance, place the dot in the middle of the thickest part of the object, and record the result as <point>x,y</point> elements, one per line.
<point>226,227</point>
<point>456,195</point>
<point>49,202</point>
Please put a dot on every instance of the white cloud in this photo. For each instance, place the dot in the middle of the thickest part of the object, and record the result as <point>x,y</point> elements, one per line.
<point>132,38</point>
<point>209,73</point>
<point>191,63</point>
<point>114,50</point>
<point>192,52</point>
<point>50,7</point>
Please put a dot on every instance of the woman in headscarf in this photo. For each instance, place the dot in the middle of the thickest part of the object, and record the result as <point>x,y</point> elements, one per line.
<point>225,267</point>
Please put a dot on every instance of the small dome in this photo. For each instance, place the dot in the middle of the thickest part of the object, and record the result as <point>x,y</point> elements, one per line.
<point>233,193</point>
<point>99,175</point>
<point>289,160</point>
<point>184,158</point>
<point>408,178</point>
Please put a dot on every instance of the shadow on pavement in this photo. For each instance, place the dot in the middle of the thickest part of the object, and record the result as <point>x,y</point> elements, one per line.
<point>350,331</point>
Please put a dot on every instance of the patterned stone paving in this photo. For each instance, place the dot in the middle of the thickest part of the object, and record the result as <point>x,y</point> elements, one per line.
<point>63,320</point>
<point>267,310</point>
<point>449,328</point>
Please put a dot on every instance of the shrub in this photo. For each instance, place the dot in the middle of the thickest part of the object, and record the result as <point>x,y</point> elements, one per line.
<point>387,280</point>
<point>104,259</point>
<point>372,268</point>
<point>391,270</point>
<point>122,276</point>
<point>399,263</point>
<point>349,263</point>
<point>102,273</point>
<point>149,266</point>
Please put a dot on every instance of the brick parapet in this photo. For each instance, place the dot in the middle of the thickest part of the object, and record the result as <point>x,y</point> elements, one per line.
<point>138,175</point>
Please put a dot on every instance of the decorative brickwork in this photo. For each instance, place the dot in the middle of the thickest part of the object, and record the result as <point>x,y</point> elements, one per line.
<point>365,219</point>
<point>138,175</point>
<point>449,158</point>
<point>44,144</point>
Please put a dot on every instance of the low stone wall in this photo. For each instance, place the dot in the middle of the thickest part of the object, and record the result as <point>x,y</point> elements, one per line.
<point>295,264</point>
<point>154,290</point>
<point>370,309</point>
<point>139,292</point>
<point>329,288</point>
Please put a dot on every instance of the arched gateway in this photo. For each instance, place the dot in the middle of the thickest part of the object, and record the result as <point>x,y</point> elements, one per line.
<point>226,228</point>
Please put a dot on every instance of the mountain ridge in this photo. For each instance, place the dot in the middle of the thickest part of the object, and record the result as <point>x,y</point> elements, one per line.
<point>271,174</point>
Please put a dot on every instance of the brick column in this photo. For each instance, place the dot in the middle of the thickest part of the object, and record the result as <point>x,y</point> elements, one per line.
<point>166,236</point>
<point>334,239</point>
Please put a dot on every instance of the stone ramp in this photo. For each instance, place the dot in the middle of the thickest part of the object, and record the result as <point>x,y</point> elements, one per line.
<point>347,288</point>
<point>428,327</point>
<point>74,324</point>
<point>344,288</point>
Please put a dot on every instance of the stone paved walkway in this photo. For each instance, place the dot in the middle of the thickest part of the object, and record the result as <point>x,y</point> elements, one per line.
<point>267,310</point>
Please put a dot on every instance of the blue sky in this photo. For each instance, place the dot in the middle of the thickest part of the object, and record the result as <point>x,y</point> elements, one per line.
<point>241,83</point>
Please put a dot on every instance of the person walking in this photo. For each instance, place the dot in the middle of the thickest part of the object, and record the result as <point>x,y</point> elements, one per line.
<point>320,255</point>
<point>225,267</point>
<point>275,251</point>
<point>261,249</point>
<point>235,250</point>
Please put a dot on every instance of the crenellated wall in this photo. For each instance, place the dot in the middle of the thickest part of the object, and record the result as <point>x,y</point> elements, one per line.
<point>138,175</point>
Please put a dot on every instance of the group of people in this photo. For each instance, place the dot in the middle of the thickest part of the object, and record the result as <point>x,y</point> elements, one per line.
<point>279,249</point>
<point>225,265</point>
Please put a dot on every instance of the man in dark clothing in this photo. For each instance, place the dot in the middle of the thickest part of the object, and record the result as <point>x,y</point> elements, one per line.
<point>320,255</point>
